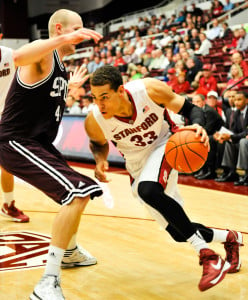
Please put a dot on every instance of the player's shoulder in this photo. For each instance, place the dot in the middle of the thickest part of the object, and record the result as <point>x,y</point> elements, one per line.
<point>6,50</point>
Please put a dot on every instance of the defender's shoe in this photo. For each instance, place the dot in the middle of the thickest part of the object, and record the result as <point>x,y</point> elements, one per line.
<point>13,213</point>
<point>77,257</point>
<point>234,240</point>
<point>214,269</point>
<point>48,288</point>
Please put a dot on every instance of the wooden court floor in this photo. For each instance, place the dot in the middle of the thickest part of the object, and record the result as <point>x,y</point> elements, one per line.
<point>136,259</point>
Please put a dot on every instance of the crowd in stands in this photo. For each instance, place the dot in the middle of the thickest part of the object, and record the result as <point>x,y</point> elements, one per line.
<point>208,66</point>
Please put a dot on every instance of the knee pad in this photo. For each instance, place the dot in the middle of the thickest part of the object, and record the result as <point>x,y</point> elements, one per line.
<point>149,191</point>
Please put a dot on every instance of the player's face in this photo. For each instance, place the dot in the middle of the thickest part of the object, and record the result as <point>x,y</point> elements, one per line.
<point>107,100</point>
<point>74,24</point>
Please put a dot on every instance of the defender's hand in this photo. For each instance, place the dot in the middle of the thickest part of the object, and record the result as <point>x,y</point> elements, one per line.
<point>78,77</point>
<point>101,168</point>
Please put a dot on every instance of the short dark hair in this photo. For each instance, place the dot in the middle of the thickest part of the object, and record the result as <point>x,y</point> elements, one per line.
<point>107,75</point>
<point>244,93</point>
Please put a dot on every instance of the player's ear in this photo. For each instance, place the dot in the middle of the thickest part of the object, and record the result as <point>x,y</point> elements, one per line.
<point>121,90</point>
<point>58,28</point>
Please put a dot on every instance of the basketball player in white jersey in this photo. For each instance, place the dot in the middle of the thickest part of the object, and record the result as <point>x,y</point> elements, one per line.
<point>7,71</point>
<point>134,117</point>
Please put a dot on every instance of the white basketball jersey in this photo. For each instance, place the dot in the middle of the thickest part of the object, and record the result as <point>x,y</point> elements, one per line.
<point>7,71</point>
<point>136,138</point>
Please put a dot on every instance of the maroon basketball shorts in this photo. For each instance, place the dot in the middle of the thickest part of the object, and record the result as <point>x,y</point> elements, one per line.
<point>45,168</point>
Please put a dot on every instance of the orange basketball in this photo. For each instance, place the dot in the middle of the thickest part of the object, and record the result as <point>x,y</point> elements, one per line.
<point>184,152</point>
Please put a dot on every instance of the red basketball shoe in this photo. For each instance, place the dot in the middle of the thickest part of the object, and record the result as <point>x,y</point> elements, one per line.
<point>233,242</point>
<point>214,269</point>
<point>13,213</point>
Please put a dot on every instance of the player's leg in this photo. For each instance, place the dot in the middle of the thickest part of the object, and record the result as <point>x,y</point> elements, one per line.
<point>231,239</point>
<point>45,169</point>
<point>9,209</point>
<point>157,187</point>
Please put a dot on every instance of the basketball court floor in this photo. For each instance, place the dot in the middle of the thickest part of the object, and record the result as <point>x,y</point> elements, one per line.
<point>137,260</point>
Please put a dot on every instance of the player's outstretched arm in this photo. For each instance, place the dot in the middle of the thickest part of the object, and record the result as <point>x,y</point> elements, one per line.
<point>99,147</point>
<point>35,51</point>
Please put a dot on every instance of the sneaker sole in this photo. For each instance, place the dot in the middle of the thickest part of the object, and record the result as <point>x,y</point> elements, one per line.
<point>13,219</point>
<point>79,264</point>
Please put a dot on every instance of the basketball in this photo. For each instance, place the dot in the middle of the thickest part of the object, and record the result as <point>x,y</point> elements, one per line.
<point>185,152</point>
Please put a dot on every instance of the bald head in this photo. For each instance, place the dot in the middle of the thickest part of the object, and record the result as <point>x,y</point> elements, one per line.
<point>64,17</point>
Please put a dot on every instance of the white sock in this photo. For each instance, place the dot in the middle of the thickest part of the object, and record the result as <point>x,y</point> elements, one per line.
<point>219,235</point>
<point>8,197</point>
<point>73,243</point>
<point>54,258</point>
<point>197,241</point>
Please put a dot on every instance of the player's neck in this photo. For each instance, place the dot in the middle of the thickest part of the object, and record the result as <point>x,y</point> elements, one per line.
<point>126,108</point>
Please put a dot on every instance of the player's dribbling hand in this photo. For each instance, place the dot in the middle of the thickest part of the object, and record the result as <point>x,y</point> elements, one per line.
<point>101,168</point>
<point>199,131</point>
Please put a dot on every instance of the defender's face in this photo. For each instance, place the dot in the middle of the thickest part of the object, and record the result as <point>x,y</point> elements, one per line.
<point>75,23</point>
<point>106,99</point>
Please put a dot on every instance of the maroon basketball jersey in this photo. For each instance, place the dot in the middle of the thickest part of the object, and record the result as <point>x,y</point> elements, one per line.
<point>35,110</point>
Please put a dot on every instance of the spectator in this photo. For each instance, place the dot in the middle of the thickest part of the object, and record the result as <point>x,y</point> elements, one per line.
<point>213,122</point>
<point>182,86</point>
<point>172,78</point>
<point>234,42</point>
<point>180,66</point>
<point>87,104</point>
<point>170,64</point>
<point>228,103</point>
<point>236,76</point>
<point>235,152</point>
<point>85,62</point>
<point>91,63</point>
<point>205,45</point>
<point>189,49</point>
<point>146,59</point>
<point>216,9</point>
<point>228,6</point>
<point>207,81</point>
<point>159,61</point>
<point>149,46</point>
<point>243,161</point>
<point>238,59</point>
<point>102,47</point>
<point>243,41</point>
<point>212,101</point>
<point>120,47</point>
<point>72,105</point>
<point>110,48</point>
<point>200,23</point>
<point>109,58</point>
<point>96,64</point>
<point>192,70</point>
<point>215,31</point>
<point>229,116</point>
<point>194,38</point>
<point>196,11</point>
<point>119,62</point>
<point>140,48</point>
<point>226,32</point>
<point>165,40</point>
<point>180,18</point>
